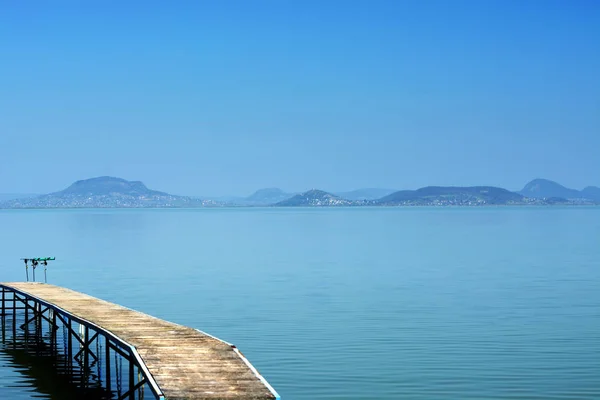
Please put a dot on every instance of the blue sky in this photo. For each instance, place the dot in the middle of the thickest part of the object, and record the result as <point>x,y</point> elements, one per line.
<point>226,97</point>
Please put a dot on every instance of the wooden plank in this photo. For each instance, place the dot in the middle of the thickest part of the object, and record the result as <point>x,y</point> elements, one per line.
<point>185,363</point>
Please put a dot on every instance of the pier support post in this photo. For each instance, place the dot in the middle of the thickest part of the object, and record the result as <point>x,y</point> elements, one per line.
<point>53,330</point>
<point>86,354</point>
<point>70,345</point>
<point>3,303</point>
<point>14,324</point>
<point>131,378</point>
<point>39,327</point>
<point>26,326</point>
<point>107,367</point>
<point>36,327</point>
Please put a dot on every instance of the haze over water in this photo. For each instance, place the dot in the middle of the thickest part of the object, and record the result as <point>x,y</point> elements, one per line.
<point>386,303</point>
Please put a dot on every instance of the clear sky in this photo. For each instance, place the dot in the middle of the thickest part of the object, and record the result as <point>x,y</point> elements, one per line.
<point>225,97</point>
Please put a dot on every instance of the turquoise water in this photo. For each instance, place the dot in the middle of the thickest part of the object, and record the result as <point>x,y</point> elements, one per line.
<point>363,303</point>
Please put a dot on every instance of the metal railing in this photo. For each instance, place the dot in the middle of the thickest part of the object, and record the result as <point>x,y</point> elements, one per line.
<point>79,338</point>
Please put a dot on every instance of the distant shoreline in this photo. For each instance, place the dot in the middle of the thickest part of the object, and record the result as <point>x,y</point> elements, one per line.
<point>311,207</point>
<point>107,192</point>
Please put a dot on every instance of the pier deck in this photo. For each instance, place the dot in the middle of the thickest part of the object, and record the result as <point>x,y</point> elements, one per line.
<point>185,363</point>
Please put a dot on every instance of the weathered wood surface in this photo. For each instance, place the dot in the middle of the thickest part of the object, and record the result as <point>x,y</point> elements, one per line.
<point>185,363</point>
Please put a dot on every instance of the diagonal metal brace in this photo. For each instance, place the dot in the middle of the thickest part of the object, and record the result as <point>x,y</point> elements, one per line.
<point>86,347</point>
<point>133,389</point>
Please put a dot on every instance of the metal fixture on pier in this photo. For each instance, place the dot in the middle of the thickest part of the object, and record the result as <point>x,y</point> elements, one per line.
<point>34,263</point>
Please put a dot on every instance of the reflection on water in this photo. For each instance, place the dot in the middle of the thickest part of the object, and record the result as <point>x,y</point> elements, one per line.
<point>40,369</point>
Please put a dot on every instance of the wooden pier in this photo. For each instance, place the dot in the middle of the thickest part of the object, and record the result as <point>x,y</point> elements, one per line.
<point>173,361</point>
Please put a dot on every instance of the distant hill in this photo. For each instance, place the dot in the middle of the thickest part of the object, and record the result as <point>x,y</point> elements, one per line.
<point>365,194</point>
<point>104,192</point>
<point>546,189</point>
<point>591,192</point>
<point>267,196</point>
<point>460,196</point>
<point>107,185</point>
<point>314,198</point>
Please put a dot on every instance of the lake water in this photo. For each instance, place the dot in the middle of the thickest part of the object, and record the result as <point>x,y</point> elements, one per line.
<point>360,303</point>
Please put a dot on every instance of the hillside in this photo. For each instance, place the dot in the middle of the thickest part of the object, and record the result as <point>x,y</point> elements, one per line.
<point>459,196</point>
<point>314,198</point>
<point>104,192</point>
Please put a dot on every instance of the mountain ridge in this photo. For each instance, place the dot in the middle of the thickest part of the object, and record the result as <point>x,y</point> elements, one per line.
<point>112,192</point>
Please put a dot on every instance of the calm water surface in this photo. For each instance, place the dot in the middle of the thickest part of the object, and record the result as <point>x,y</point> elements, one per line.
<point>390,303</point>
